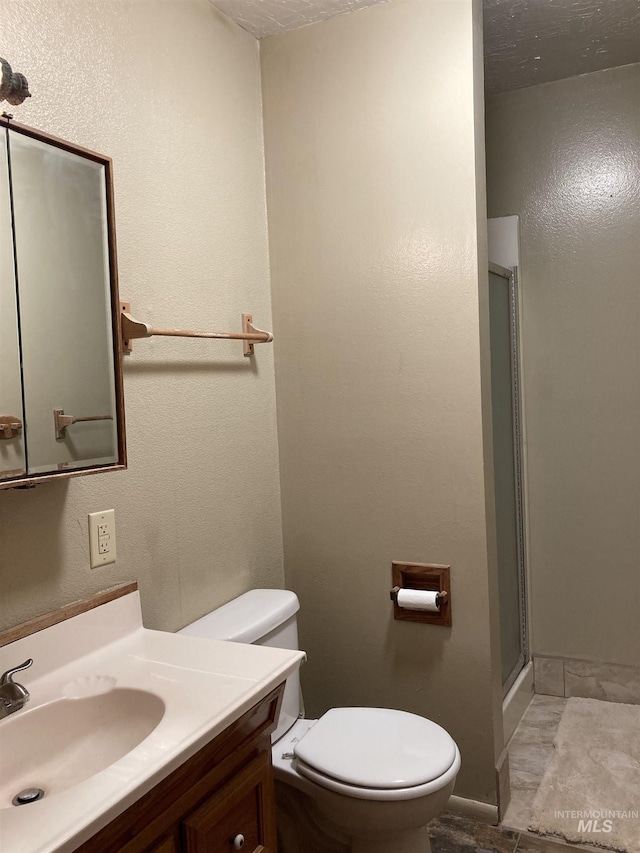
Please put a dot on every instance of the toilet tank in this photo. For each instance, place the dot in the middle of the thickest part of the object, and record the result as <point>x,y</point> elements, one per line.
<point>263,617</point>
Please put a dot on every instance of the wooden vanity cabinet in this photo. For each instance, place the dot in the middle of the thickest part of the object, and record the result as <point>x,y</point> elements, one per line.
<point>218,801</point>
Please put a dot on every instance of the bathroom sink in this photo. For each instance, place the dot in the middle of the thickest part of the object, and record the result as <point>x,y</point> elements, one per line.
<point>114,709</point>
<point>60,744</point>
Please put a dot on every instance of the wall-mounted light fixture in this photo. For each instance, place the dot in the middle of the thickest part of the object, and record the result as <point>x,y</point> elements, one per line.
<point>13,86</point>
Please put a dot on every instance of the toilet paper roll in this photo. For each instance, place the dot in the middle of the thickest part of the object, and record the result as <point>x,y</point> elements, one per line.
<point>419,599</point>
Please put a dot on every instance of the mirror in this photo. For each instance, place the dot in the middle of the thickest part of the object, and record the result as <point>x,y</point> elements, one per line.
<point>61,403</point>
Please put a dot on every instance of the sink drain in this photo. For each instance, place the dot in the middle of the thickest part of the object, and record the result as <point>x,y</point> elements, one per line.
<point>29,795</point>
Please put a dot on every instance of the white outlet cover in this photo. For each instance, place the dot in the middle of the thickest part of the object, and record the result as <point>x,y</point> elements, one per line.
<point>102,520</point>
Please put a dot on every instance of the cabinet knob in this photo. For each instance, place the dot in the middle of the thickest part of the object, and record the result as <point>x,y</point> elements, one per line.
<point>238,842</point>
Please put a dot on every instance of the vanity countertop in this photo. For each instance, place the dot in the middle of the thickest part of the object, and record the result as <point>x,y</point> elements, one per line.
<point>205,686</point>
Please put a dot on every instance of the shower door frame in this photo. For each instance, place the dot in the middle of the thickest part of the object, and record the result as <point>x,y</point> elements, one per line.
<point>511,275</point>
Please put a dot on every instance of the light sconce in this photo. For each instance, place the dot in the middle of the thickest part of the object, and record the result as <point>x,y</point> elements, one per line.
<point>13,86</point>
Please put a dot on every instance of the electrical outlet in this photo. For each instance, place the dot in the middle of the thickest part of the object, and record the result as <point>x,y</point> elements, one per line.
<point>102,538</point>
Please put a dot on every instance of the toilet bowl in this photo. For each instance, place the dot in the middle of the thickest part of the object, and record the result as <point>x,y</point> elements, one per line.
<point>376,775</point>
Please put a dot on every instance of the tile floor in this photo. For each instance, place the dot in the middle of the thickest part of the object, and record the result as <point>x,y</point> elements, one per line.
<point>530,749</point>
<point>452,833</point>
<point>455,834</point>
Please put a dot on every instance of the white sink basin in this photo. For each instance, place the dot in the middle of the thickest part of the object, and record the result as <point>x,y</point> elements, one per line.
<point>60,744</point>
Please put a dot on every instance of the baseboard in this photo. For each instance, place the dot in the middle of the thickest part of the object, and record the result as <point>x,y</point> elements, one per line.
<point>516,701</point>
<point>503,783</point>
<point>480,812</point>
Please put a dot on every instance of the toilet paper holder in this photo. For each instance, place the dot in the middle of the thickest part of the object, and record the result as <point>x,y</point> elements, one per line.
<point>441,597</point>
<point>428,577</point>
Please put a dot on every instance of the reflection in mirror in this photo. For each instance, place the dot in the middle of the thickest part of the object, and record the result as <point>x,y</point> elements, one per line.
<point>62,265</point>
<point>12,460</point>
<point>60,367</point>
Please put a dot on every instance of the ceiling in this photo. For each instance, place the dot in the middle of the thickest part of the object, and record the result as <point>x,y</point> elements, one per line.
<point>526,41</point>
<point>267,17</point>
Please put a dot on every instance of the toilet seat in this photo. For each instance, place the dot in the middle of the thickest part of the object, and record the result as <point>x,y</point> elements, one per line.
<point>377,753</point>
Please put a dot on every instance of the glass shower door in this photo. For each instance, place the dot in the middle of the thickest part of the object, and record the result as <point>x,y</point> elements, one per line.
<point>507,464</point>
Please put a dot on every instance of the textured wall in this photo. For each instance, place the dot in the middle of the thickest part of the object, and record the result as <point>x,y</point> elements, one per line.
<point>171,91</point>
<point>565,157</point>
<point>371,143</point>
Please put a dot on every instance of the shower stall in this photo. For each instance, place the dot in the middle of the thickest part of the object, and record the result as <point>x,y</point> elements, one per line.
<point>508,471</point>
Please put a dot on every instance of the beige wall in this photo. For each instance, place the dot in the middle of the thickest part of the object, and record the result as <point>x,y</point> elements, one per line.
<point>564,157</point>
<point>171,91</point>
<point>370,139</point>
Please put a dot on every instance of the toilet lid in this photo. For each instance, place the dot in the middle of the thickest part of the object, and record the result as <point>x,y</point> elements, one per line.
<point>377,748</point>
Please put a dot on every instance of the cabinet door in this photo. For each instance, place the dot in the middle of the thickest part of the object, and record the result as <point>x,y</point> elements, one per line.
<point>63,274</point>
<point>166,845</point>
<point>239,816</point>
<point>12,458</point>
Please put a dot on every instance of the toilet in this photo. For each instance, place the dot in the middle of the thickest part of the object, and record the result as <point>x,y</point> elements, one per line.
<point>376,775</point>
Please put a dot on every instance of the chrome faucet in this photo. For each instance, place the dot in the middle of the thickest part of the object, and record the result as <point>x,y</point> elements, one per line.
<point>13,696</point>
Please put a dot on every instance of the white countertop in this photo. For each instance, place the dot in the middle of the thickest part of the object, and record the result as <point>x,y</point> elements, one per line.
<point>205,685</point>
